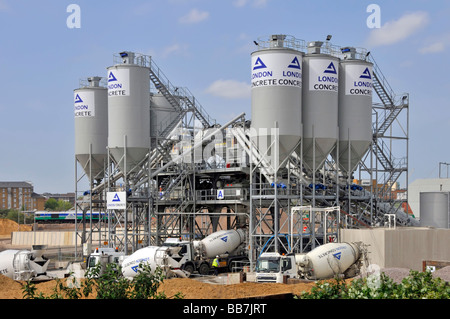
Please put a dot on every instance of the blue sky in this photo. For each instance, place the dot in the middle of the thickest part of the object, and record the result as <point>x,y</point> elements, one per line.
<point>203,45</point>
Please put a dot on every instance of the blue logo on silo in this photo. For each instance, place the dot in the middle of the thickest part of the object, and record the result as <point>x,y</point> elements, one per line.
<point>295,64</point>
<point>366,74</point>
<point>111,77</point>
<point>259,64</point>
<point>337,255</point>
<point>330,69</point>
<point>78,99</point>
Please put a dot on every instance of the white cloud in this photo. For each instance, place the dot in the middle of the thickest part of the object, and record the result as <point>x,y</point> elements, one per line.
<point>433,48</point>
<point>194,16</point>
<point>174,49</point>
<point>255,3</point>
<point>395,31</point>
<point>229,89</point>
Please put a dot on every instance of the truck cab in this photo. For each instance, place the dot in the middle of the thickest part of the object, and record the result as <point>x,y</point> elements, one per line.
<point>103,256</point>
<point>274,267</point>
<point>182,254</point>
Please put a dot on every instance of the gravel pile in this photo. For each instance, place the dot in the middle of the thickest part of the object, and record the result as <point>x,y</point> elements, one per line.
<point>397,274</point>
<point>443,273</point>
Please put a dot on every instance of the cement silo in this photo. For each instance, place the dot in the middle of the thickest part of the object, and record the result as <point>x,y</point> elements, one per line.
<point>320,105</point>
<point>276,72</point>
<point>91,127</point>
<point>162,115</point>
<point>129,112</point>
<point>354,110</point>
<point>435,209</point>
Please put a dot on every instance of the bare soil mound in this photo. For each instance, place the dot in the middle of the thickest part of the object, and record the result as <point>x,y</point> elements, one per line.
<point>7,226</point>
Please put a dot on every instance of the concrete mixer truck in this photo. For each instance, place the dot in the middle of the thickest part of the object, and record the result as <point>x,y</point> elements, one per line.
<point>323,262</point>
<point>24,264</point>
<point>182,258</point>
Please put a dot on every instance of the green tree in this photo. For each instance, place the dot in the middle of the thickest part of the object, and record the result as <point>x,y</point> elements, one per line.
<point>51,204</point>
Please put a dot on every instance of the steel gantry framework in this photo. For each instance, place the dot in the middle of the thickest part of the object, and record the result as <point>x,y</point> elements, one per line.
<point>199,177</point>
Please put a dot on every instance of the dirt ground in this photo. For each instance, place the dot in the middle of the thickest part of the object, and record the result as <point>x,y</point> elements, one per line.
<point>190,288</point>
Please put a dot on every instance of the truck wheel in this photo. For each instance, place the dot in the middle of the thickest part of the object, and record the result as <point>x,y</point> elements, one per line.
<point>204,269</point>
<point>189,268</point>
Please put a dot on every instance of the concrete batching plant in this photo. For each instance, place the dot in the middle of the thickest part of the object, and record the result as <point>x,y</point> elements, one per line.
<point>174,172</point>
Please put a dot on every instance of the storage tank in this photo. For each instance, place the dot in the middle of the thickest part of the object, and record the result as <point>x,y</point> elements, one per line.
<point>23,264</point>
<point>434,209</point>
<point>220,242</point>
<point>320,105</point>
<point>328,260</point>
<point>91,127</point>
<point>354,109</point>
<point>276,77</point>
<point>162,114</point>
<point>154,256</point>
<point>128,112</point>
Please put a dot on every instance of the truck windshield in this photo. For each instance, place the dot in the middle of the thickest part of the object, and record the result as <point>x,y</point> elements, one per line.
<point>92,261</point>
<point>268,265</point>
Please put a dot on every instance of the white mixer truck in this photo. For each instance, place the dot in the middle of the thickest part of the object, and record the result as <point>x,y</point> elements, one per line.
<point>24,264</point>
<point>182,258</point>
<point>323,262</point>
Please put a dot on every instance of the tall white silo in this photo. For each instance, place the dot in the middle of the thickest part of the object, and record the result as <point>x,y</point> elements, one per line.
<point>355,110</point>
<point>276,91</point>
<point>129,112</point>
<point>320,105</point>
<point>91,127</point>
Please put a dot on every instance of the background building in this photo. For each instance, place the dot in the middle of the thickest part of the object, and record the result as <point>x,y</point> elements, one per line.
<point>16,195</point>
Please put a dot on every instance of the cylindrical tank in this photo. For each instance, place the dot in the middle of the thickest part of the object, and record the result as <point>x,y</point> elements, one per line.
<point>221,242</point>
<point>6,262</point>
<point>354,110</point>
<point>162,114</point>
<point>154,256</point>
<point>12,261</point>
<point>128,112</point>
<point>91,127</point>
<point>320,105</point>
<point>328,260</point>
<point>435,209</point>
<point>276,77</point>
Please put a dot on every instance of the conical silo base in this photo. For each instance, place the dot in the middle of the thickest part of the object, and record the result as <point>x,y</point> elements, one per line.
<point>133,157</point>
<point>285,147</point>
<point>315,154</point>
<point>357,151</point>
<point>95,169</point>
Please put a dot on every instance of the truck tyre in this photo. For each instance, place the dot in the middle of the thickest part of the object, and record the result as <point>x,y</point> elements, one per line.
<point>189,268</point>
<point>203,269</point>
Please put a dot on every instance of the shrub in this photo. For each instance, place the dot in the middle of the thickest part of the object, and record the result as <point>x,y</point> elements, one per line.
<point>109,284</point>
<point>417,285</point>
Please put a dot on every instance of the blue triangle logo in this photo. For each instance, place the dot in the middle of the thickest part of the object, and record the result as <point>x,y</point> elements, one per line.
<point>111,77</point>
<point>337,255</point>
<point>295,64</point>
<point>330,69</point>
<point>116,198</point>
<point>78,99</point>
<point>259,64</point>
<point>135,268</point>
<point>224,238</point>
<point>366,74</point>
